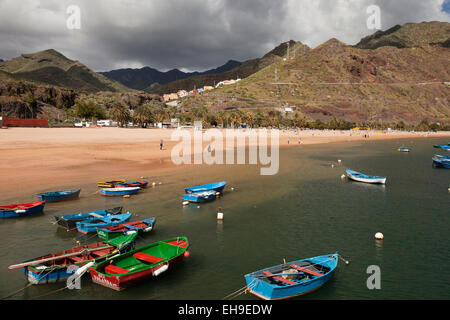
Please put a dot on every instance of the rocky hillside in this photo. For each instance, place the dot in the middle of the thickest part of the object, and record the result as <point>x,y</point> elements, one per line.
<point>338,80</point>
<point>409,35</point>
<point>50,67</point>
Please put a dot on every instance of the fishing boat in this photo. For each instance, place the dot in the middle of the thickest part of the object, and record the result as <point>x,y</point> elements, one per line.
<point>404,149</point>
<point>109,184</point>
<point>292,279</point>
<point>140,264</point>
<point>441,161</point>
<point>19,210</point>
<point>56,267</point>
<point>200,196</point>
<point>91,225</point>
<point>59,195</point>
<point>217,187</point>
<point>116,192</point>
<point>69,221</point>
<point>443,147</point>
<point>130,227</point>
<point>140,184</point>
<point>360,177</point>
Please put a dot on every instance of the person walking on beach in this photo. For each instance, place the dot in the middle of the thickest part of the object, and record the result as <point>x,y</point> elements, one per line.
<point>160,144</point>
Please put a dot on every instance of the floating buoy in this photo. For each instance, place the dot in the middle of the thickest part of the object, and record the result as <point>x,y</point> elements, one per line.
<point>142,177</point>
<point>126,196</point>
<point>153,184</point>
<point>343,176</point>
<point>186,254</point>
<point>185,203</point>
<point>160,182</point>
<point>379,236</point>
<point>332,165</point>
<point>198,207</point>
<point>232,188</point>
<point>217,194</point>
<point>219,216</point>
<point>339,161</point>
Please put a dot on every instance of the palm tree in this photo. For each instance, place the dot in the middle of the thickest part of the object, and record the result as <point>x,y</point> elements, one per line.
<point>144,115</point>
<point>120,114</point>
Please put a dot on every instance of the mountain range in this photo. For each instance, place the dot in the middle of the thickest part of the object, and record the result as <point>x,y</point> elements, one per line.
<point>146,77</point>
<point>398,74</point>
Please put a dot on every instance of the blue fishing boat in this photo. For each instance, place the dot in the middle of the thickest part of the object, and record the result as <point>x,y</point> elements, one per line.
<point>92,224</point>
<point>20,210</point>
<point>56,267</point>
<point>129,227</point>
<point>360,177</point>
<point>122,191</point>
<point>140,184</point>
<point>441,161</point>
<point>292,279</point>
<point>68,221</point>
<point>59,195</point>
<point>404,149</point>
<point>217,187</point>
<point>200,196</point>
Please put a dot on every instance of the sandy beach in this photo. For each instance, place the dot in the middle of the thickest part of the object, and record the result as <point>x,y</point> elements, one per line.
<point>45,159</point>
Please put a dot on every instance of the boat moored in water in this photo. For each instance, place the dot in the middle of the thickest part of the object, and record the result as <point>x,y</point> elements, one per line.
<point>122,191</point>
<point>110,184</point>
<point>129,227</point>
<point>54,267</point>
<point>200,196</point>
<point>20,210</point>
<point>91,225</point>
<point>69,221</point>
<point>360,177</point>
<point>292,279</point>
<point>216,186</point>
<point>140,264</point>
<point>55,196</point>
<point>441,161</point>
<point>404,149</point>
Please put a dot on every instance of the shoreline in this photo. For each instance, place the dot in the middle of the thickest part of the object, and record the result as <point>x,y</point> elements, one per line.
<point>43,159</point>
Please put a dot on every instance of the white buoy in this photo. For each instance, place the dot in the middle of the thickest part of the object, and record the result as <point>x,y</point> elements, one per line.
<point>332,165</point>
<point>126,196</point>
<point>217,194</point>
<point>153,184</point>
<point>185,203</point>
<point>339,161</point>
<point>379,236</point>
<point>219,216</point>
<point>343,176</point>
<point>232,188</point>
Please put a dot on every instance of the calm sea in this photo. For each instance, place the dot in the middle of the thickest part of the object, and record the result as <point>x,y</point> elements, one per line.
<point>305,210</point>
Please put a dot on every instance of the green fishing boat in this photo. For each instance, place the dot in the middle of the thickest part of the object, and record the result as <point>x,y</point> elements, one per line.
<point>127,269</point>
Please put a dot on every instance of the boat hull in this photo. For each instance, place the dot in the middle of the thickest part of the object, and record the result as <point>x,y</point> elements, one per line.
<point>93,224</point>
<point>130,227</point>
<point>267,291</point>
<point>20,210</point>
<point>60,273</point>
<point>55,197</point>
<point>175,253</point>
<point>117,192</point>
<point>140,184</point>
<point>200,197</point>
<point>366,179</point>
<point>69,221</point>
<point>110,184</point>
<point>217,187</point>
<point>441,162</point>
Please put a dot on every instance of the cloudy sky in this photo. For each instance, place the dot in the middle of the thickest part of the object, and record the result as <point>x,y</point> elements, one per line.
<point>195,34</point>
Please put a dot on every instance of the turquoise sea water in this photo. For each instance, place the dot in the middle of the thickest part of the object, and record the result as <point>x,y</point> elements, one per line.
<point>305,210</point>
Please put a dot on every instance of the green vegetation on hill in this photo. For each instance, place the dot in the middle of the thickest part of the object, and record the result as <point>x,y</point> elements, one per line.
<point>50,67</point>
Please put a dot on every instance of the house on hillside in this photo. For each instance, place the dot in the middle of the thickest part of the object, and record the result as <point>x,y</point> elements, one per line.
<point>207,88</point>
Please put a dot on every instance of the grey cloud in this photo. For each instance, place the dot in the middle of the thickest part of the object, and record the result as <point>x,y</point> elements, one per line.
<point>193,35</point>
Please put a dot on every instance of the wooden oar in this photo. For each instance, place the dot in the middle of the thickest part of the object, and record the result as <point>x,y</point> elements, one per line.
<point>20,265</point>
